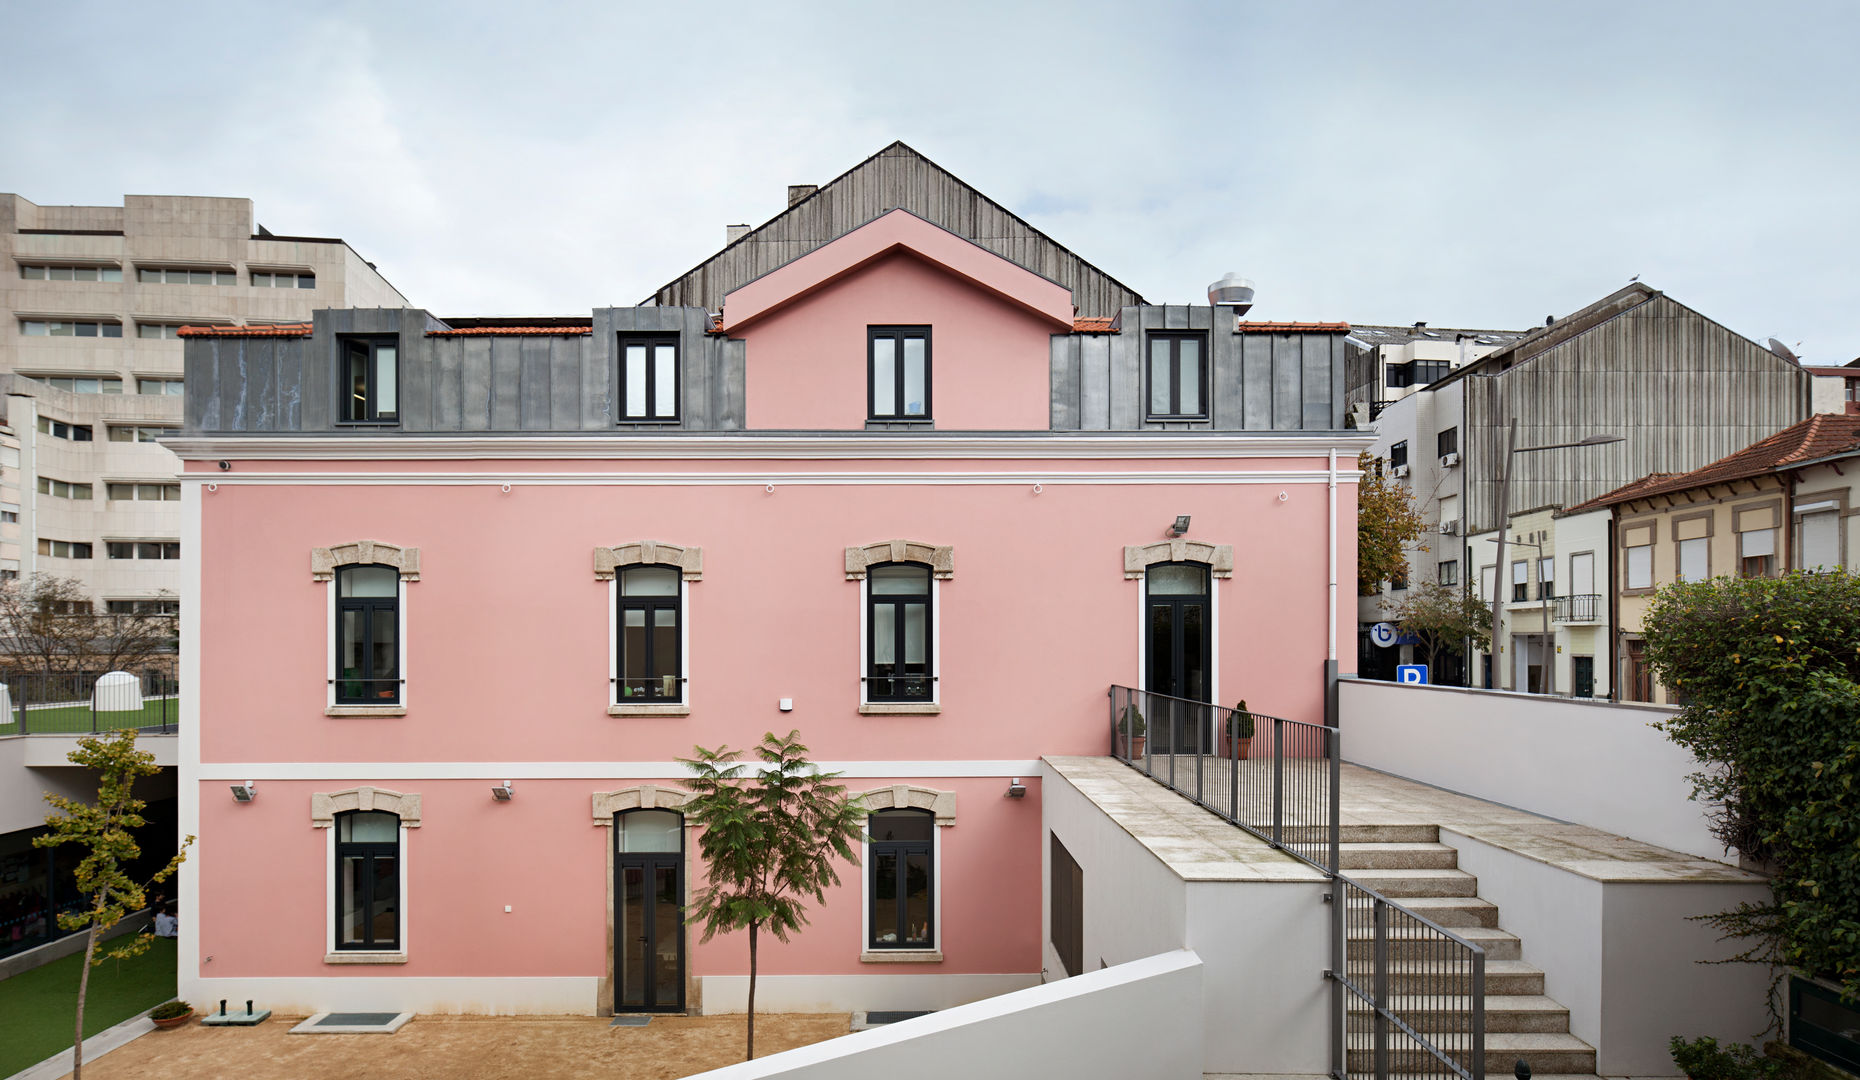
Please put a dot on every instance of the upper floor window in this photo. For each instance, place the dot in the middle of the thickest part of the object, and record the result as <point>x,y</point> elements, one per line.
<point>1450,572</point>
<point>282,279</point>
<point>648,379</point>
<point>158,331</point>
<point>138,433</point>
<point>71,273</point>
<point>1694,558</point>
<point>367,635</point>
<point>82,384</point>
<point>902,858</point>
<point>1638,557</point>
<point>1178,375</point>
<point>898,366</point>
<point>143,607</point>
<point>1447,442</point>
<point>62,489</point>
<point>144,492</point>
<point>1546,579</point>
<point>1818,535</point>
<point>143,549</point>
<point>1398,455</point>
<point>64,549</point>
<point>650,671</point>
<point>61,430</point>
<point>1417,373</point>
<point>1520,581</point>
<point>898,664</point>
<point>160,387</point>
<point>184,275</point>
<point>1756,553</point>
<point>367,880</point>
<point>65,328</point>
<point>370,380</point>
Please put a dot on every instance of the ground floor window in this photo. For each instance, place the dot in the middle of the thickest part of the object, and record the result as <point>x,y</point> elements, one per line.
<point>367,880</point>
<point>901,875</point>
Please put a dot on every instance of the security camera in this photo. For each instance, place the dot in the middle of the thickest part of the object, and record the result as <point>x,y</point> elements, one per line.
<point>226,466</point>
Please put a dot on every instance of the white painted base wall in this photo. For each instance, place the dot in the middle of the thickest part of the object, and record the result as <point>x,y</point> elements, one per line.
<point>902,991</point>
<point>567,996</point>
<point>1141,1019</point>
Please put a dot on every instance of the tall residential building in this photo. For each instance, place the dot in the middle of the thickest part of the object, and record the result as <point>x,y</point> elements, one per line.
<point>93,298</point>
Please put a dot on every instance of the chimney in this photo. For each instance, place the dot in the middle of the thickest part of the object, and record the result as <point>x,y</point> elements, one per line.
<point>797,192</point>
<point>733,233</point>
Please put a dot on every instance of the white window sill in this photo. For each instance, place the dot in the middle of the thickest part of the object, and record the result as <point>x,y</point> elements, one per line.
<point>365,710</point>
<point>901,708</point>
<point>901,956</point>
<point>365,958</point>
<point>648,710</point>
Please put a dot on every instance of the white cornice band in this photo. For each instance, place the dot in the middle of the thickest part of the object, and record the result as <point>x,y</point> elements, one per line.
<point>630,447</point>
<point>758,479</point>
<point>594,771</point>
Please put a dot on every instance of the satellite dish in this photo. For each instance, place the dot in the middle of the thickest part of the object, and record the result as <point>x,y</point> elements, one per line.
<point>1782,350</point>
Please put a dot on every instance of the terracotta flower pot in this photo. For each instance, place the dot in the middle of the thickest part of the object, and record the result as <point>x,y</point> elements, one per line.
<point>174,1021</point>
<point>1245,747</point>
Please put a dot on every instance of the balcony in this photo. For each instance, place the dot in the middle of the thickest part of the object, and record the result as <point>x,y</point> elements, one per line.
<point>1580,608</point>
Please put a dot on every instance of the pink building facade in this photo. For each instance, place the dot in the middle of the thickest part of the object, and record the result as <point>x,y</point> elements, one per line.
<point>463,593</point>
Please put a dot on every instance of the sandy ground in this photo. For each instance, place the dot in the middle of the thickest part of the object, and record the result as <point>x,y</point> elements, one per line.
<point>459,1047</point>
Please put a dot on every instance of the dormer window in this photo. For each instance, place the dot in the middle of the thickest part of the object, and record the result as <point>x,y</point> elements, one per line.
<point>648,380</point>
<point>370,381</point>
<point>1178,377</point>
<point>898,387</point>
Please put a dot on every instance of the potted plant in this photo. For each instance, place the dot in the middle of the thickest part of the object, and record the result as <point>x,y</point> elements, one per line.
<point>1703,1059</point>
<point>171,1014</point>
<point>1240,730</point>
<point>1132,733</point>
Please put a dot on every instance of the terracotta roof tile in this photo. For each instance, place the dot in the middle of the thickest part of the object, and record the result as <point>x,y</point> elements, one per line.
<point>1092,326</point>
<point>1817,437</point>
<point>280,330</point>
<point>1294,327</point>
<point>514,331</point>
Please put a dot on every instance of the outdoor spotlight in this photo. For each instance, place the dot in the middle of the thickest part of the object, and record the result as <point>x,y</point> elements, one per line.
<point>503,791</point>
<point>245,792</point>
<point>1180,527</point>
<point>1016,789</point>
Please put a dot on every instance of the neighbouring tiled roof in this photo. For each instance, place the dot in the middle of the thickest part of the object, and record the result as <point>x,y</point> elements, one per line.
<point>280,330</point>
<point>1817,437</point>
<point>1294,327</point>
<point>513,331</point>
<point>1093,326</point>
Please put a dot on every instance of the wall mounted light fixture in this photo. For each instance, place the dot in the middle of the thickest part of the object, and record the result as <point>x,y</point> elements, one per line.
<point>503,791</point>
<point>1180,527</point>
<point>1016,789</point>
<point>245,792</point>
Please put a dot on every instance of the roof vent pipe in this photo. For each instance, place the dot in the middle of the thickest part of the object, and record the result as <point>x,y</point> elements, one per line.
<point>1232,291</point>
<point>797,192</point>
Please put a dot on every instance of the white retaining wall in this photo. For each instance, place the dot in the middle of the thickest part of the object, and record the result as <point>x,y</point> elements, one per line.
<point>1142,1018</point>
<point>1595,763</point>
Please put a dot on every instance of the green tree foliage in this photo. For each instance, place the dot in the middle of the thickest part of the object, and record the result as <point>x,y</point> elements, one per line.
<point>1386,524</point>
<point>1769,670</point>
<point>106,833</point>
<point>1443,617</point>
<point>771,840</point>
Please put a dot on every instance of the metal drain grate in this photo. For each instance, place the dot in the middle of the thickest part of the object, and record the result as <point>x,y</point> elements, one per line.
<point>631,1021</point>
<point>356,1019</point>
<point>353,1023</point>
<point>894,1017</point>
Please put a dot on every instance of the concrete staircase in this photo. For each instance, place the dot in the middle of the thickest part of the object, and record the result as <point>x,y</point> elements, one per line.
<point>1409,865</point>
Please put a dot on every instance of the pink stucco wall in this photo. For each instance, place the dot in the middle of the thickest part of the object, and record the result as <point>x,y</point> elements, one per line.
<point>989,359</point>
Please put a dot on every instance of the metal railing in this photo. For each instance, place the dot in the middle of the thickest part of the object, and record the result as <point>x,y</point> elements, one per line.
<point>1582,607</point>
<point>900,689</point>
<point>1273,777</point>
<point>79,703</point>
<point>1409,994</point>
<point>647,689</point>
<point>366,690</point>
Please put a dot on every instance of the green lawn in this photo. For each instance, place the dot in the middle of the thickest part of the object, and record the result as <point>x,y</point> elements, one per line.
<point>76,719</point>
<point>39,1004</point>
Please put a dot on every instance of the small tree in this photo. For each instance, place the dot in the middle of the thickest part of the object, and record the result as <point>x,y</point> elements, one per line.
<point>1444,618</point>
<point>1769,669</point>
<point>770,842</point>
<point>106,832</point>
<point>1386,524</point>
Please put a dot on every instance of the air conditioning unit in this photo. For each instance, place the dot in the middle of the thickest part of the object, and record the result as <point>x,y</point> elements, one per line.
<point>1400,471</point>
<point>1450,528</point>
<point>1449,459</point>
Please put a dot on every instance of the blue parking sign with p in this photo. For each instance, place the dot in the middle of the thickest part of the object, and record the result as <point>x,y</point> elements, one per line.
<point>1411,674</point>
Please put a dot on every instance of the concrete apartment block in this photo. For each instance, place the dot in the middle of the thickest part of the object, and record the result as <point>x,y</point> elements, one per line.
<point>91,367</point>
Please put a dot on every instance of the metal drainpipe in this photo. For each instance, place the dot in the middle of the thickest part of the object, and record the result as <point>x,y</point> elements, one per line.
<point>1787,527</point>
<point>1614,613</point>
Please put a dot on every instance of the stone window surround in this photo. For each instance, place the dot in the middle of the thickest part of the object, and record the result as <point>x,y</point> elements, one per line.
<point>608,806</point>
<point>1138,558</point>
<point>324,562</point>
<point>324,806</point>
<point>941,559</point>
<point>608,562</point>
<point>942,807</point>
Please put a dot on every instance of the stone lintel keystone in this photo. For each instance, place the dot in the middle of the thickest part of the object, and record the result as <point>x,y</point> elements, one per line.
<point>940,560</point>
<point>1139,558</point>
<point>324,562</point>
<point>610,560</point>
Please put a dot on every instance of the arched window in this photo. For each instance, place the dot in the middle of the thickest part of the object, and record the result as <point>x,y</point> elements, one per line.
<point>902,862</point>
<point>368,635</point>
<point>650,665</point>
<point>368,867</point>
<point>898,633</point>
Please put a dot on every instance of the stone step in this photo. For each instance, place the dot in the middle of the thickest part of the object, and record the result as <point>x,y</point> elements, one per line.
<point>1405,856</point>
<point>1503,1013</point>
<point>1417,951</point>
<point>1454,912</point>
<point>1501,977</point>
<point>1399,883</point>
<point>1547,1051</point>
<point>1364,834</point>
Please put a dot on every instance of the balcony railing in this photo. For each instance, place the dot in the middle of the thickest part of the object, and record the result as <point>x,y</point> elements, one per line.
<point>1582,607</point>
<point>74,703</point>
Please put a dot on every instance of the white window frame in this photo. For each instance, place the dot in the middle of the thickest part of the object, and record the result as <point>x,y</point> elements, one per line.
<point>1589,555</point>
<point>1679,558</point>
<point>330,708</point>
<point>1627,567</point>
<point>363,956</point>
<point>616,707</point>
<point>904,708</point>
<point>867,954</point>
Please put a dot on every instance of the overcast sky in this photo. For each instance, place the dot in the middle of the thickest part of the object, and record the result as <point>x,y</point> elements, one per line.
<point>1480,164</point>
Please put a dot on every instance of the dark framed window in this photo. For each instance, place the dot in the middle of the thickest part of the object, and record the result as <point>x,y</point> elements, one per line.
<point>370,387</point>
<point>897,619</point>
<point>1066,893</point>
<point>898,372</point>
<point>368,635</point>
<point>1398,454</point>
<point>902,857</point>
<point>651,647</point>
<point>1520,581</point>
<point>1447,442</point>
<point>1428,371</point>
<point>1178,377</point>
<point>367,880</point>
<point>649,386</point>
<point>1450,572</point>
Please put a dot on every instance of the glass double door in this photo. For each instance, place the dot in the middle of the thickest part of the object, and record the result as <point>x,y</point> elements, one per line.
<point>649,939</point>
<point>1179,623</point>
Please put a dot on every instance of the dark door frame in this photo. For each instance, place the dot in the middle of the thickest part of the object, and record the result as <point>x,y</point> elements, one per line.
<point>1178,602</point>
<point>648,862</point>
